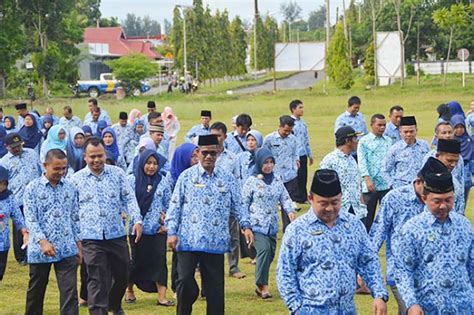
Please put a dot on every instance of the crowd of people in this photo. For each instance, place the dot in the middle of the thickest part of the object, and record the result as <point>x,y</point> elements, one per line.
<point>111,199</point>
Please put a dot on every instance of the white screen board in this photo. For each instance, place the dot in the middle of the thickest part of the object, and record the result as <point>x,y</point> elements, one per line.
<point>388,57</point>
<point>307,56</point>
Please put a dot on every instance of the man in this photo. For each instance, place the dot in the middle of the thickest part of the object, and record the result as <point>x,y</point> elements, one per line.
<point>197,222</point>
<point>69,120</point>
<point>199,130</point>
<point>51,214</point>
<point>103,194</point>
<point>371,152</point>
<point>22,111</point>
<point>156,133</point>
<point>151,108</point>
<point>352,117</point>
<point>404,158</point>
<point>50,111</point>
<point>228,162</point>
<point>392,131</point>
<point>341,161</point>
<point>321,253</point>
<point>124,133</point>
<point>94,121</point>
<point>284,147</point>
<point>236,141</point>
<point>435,254</point>
<point>23,166</point>
<point>300,130</point>
<point>397,207</point>
<point>92,103</point>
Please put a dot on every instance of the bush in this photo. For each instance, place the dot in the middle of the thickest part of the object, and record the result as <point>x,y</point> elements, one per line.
<point>339,64</point>
<point>410,69</point>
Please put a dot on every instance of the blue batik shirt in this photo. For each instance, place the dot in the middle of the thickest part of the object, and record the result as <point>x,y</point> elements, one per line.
<point>22,169</point>
<point>346,119</point>
<point>21,120</point>
<point>403,161</point>
<point>286,154</point>
<point>244,169</point>
<point>101,201</point>
<point>124,136</point>
<point>392,132</point>
<point>228,161</point>
<point>317,267</point>
<point>9,209</point>
<point>200,209</point>
<point>163,147</point>
<point>68,124</point>
<point>103,116</point>
<point>397,207</point>
<point>261,201</point>
<point>470,123</point>
<point>52,214</point>
<point>300,130</point>
<point>232,145</point>
<point>152,220</point>
<point>94,124</point>
<point>435,264</point>
<point>348,172</point>
<point>196,131</point>
<point>371,152</point>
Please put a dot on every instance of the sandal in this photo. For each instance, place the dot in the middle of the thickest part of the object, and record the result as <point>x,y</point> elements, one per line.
<point>259,294</point>
<point>266,296</point>
<point>166,304</point>
<point>130,298</point>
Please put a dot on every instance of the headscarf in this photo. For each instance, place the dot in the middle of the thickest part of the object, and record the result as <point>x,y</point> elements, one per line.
<point>3,134</point>
<point>12,120</point>
<point>87,130</point>
<point>4,177</point>
<point>456,109</point>
<point>168,117</point>
<point>466,141</point>
<point>44,130</point>
<point>444,113</point>
<point>134,115</point>
<point>182,159</point>
<point>31,136</point>
<point>260,157</point>
<point>147,143</point>
<point>258,137</point>
<point>113,148</point>
<point>145,186</point>
<point>53,141</point>
<point>101,125</point>
<point>75,153</point>
<point>138,122</point>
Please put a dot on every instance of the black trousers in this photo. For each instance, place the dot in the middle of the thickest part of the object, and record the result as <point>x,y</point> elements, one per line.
<point>106,260</point>
<point>302,180</point>
<point>212,273</point>
<point>83,290</point>
<point>371,199</point>
<point>233,255</point>
<point>66,275</point>
<point>3,263</point>
<point>20,254</point>
<point>293,189</point>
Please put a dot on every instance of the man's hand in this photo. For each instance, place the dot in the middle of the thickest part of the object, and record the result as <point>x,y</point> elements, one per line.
<point>248,237</point>
<point>162,229</point>
<point>80,255</point>
<point>137,231</point>
<point>311,161</point>
<point>172,242</point>
<point>26,237</point>
<point>380,307</point>
<point>292,216</point>
<point>298,164</point>
<point>47,248</point>
<point>415,310</point>
<point>369,183</point>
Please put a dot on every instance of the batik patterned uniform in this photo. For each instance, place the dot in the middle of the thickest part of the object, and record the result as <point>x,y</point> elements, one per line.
<point>244,169</point>
<point>9,209</point>
<point>232,145</point>
<point>68,124</point>
<point>124,136</point>
<point>286,153</point>
<point>435,264</point>
<point>228,161</point>
<point>346,119</point>
<point>300,130</point>
<point>317,267</point>
<point>195,132</point>
<point>103,116</point>
<point>392,132</point>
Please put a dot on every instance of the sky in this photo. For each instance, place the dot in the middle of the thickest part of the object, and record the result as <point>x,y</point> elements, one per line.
<point>161,9</point>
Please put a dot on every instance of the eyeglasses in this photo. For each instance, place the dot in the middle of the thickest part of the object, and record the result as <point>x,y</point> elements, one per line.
<point>211,153</point>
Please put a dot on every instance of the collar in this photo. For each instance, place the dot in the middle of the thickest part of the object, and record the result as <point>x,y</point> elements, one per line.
<point>391,125</point>
<point>295,118</point>
<point>313,218</point>
<point>405,145</point>
<point>347,114</point>
<point>236,133</point>
<point>339,153</point>
<point>203,127</point>
<point>203,173</point>
<point>433,220</point>
<point>88,171</point>
<point>45,181</point>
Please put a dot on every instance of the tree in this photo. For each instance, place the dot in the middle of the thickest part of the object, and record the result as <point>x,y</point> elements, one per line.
<point>317,18</point>
<point>271,29</point>
<point>369,64</point>
<point>90,9</point>
<point>376,7</point>
<point>450,20</point>
<point>239,46</point>
<point>132,69</point>
<point>109,22</point>
<point>262,47</point>
<point>339,67</point>
<point>132,25</point>
<point>291,11</point>
<point>167,26</point>
<point>150,27</point>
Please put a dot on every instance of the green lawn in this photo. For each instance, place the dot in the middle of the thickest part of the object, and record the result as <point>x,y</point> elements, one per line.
<point>321,110</point>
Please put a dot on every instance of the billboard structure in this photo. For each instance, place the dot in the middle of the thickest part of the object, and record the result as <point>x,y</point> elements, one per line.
<point>307,56</point>
<point>388,57</point>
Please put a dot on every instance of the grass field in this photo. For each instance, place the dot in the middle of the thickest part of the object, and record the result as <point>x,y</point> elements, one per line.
<point>321,109</point>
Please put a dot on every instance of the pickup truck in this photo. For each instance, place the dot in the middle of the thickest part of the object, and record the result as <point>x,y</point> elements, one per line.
<point>106,84</point>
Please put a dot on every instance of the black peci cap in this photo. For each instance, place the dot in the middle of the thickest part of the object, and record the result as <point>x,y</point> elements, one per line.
<point>151,104</point>
<point>208,140</point>
<point>408,121</point>
<point>346,132</point>
<point>439,183</point>
<point>20,106</point>
<point>123,115</point>
<point>432,165</point>
<point>326,183</point>
<point>449,146</point>
<point>206,113</point>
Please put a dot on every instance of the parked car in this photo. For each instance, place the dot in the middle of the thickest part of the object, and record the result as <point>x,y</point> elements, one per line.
<point>106,84</point>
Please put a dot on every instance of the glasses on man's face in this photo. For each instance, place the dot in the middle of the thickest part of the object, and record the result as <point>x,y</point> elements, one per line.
<point>211,153</point>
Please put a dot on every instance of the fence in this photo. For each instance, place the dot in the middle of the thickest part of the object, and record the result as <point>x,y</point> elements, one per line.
<point>439,67</point>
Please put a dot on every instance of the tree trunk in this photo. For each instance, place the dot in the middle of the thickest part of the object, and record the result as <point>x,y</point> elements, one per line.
<point>449,53</point>
<point>374,34</point>
<point>402,48</point>
<point>3,91</point>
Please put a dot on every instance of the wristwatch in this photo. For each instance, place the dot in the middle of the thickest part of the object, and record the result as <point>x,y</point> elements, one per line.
<point>384,298</point>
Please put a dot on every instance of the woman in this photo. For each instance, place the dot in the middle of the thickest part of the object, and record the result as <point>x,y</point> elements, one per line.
<point>467,150</point>
<point>145,143</point>
<point>87,132</point>
<point>134,115</point>
<point>456,109</point>
<point>30,133</point>
<point>111,145</point>
<point>153,192</point>
<point>172,127</point>
<point>47,124</point>
<point>9,124</point>
<point>247,159</point>
<point>57,139</point>
<point>138,131</point>
<point>261,195</point>
<point>3,134</point>
<point>75,150</point>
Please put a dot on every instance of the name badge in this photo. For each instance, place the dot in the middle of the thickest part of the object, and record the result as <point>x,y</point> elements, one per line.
<point>318,232</point>
<point>198,185</point>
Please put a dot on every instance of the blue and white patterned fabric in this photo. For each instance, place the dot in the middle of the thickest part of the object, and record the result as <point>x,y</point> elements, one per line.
<point>458,171</point>
<point>9,209</point>
<point>403,161</point>
<point>357,122</point>
<point>261,201</point>
<point>397,207</point>
<point>103,116</point>
<point>316,271</point>
<point>94,125</point>
<point>392,132</point>
<point>300,130</point>
<point>68,124</point>
<point>196,131</point>
<point>124,136</point>
<point>22,169</point>
<point>152,220</point>
<point>435,264</point>
<point>348,172</point>
<point>228,161</point>
<point>470,123</point>
<point>164,146</point>
<point>231,144</point>
<point>101,200</point>
<point>244,170</point>
<point>286,154</point>
<point>52,214</point>
<point>200,209</point>
<point>371,152</point>
<point>21,120</point>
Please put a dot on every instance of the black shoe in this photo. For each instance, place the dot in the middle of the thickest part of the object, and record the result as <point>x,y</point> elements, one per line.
<point>23,262</point>
<point>119,312</point>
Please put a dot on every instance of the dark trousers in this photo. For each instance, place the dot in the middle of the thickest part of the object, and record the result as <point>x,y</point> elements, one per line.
<point>20,254</point>
<point>292,188</point>
<point>265,246</point>
<point>83,290</point>
<point>66,275</point>
<point>302,180</point>
<point>233,255</point>
<point>106,260</point>
<point>402,310</point>
<point>371,199</point>
<point>174,271</point>
<point>3,263</point>
<point>212,273</point>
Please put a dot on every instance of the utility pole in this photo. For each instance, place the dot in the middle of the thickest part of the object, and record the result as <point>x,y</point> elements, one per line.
<point>255,39</point>
<point>182,8</point>
<point>328,31</point>
<point>344,21</point>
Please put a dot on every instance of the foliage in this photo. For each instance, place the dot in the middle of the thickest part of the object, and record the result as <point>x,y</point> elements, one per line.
<point>109,22</point>
<point>339,67</point>
<point>137,26</point>
<point>369,66</point>
<point>317,19</point>
<point>291,11</point>
<point>239,46</point>
<point>167,27</point>
<point>132,69</point>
